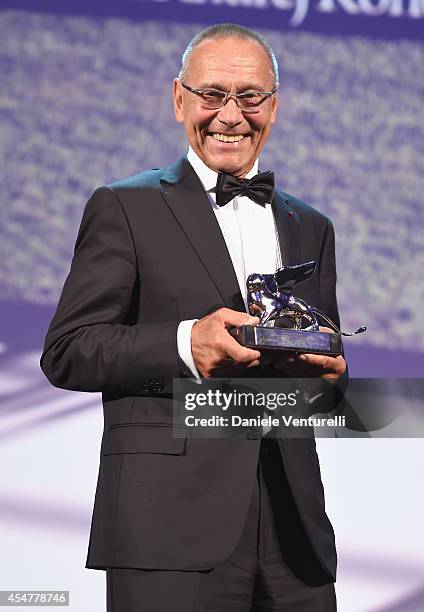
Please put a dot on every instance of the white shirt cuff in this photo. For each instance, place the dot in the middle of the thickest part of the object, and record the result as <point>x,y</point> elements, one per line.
<point>184,346</point>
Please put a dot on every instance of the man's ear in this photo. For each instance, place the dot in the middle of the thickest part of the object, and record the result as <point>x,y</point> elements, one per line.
<point>274,108</point>
<point>178,101</point>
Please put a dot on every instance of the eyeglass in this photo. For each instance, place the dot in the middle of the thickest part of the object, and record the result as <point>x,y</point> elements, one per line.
<point>247,101</point>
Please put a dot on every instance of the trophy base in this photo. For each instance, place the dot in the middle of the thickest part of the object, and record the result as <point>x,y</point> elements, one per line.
<point>291,340</point>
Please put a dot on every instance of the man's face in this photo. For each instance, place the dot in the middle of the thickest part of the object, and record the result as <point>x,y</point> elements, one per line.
<point>236,66</point>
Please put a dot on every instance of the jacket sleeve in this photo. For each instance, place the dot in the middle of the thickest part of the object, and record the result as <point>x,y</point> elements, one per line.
<point>333,397</point>
<point>92,344</point>
<point>328,277</point>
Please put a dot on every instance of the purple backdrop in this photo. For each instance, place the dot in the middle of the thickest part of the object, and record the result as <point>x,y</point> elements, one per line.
<point>85,98</point>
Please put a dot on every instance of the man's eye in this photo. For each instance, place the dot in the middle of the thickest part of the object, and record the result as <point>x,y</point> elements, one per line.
<point>250,96</point>
<point>213,95</point>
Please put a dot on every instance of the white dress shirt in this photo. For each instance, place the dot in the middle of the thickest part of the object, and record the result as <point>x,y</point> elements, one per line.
<point>250,234</point>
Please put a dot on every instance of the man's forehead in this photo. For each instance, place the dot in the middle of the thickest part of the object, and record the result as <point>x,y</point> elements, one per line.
<point>212,62</point>
<point>247,61</point>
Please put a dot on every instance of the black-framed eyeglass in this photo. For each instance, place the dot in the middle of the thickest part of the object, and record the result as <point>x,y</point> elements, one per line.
<point>247,101</point>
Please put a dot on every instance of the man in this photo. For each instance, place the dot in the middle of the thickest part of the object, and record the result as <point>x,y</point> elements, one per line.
<point>157,278</point>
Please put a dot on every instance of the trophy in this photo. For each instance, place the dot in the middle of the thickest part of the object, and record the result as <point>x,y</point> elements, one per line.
<point>286,322</point>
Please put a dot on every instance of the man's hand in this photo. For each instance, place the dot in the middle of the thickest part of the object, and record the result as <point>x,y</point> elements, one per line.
<point>309,365</point>
<point>215,352</point>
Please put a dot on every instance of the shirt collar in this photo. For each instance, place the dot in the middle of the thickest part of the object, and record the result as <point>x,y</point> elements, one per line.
<point>207,176</point>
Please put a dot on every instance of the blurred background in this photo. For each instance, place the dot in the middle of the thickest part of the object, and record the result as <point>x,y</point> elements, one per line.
<point>85,98</point>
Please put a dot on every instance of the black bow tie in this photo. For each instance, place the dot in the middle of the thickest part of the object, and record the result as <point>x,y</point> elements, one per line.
<point>260,188</point>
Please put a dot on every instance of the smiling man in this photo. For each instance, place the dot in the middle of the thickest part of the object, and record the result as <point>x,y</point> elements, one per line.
<point>214,72</point>
<point>158,275</point>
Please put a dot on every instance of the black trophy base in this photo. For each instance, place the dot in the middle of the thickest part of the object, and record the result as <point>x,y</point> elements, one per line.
<point>291,340</point>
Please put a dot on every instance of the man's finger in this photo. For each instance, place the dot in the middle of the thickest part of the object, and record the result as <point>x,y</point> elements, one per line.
<point>254,364</point>
<point>233,317</point>
<point>237,352</point>
<point>325,362</point>
<point>322,361</point>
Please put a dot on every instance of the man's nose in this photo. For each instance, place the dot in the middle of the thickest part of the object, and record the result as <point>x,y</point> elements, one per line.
<point>230,114</point>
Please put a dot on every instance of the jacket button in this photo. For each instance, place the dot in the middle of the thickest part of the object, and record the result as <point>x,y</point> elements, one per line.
<point>253,434</point>
<point>153,385</point>
<point>157,385</point>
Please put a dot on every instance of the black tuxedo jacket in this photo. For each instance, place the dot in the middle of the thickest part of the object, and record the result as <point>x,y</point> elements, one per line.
<point>149,254</point>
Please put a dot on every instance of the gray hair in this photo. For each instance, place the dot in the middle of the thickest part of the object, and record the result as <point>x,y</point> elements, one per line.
<point>228,30</point>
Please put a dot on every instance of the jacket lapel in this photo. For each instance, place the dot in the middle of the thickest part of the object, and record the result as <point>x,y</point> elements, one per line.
<point>188,202</point>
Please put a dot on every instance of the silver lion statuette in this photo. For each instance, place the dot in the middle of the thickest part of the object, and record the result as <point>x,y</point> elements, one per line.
<point>287,322</point>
